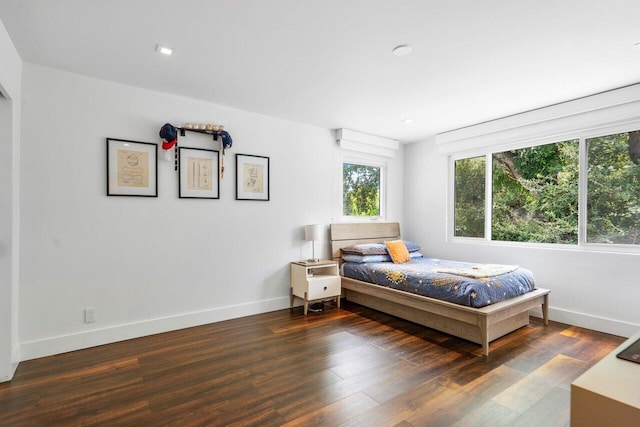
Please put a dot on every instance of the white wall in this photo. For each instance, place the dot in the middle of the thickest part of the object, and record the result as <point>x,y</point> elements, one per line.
<point>10,82</point>
<point>154,264</point>
<point>596,290</point>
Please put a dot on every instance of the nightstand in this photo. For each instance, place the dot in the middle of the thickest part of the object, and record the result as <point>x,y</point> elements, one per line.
<point>315,281</point>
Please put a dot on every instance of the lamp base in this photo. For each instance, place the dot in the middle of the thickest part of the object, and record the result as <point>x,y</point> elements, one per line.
<point>313,260</point>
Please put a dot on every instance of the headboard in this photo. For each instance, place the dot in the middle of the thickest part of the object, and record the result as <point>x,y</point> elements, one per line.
<point>347,234</point>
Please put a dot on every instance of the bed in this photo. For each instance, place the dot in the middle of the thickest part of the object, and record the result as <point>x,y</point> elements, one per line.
<point>480,325</point>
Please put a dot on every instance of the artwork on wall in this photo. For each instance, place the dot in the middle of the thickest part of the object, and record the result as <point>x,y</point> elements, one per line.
<point>132,168</point>
<point>252,177</point>
<point>199,172</point>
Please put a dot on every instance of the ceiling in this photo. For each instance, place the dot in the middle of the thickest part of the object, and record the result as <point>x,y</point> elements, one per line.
<point>329,63</point>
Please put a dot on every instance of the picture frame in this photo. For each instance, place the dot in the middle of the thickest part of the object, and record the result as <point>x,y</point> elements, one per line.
<point>132,168</point>
<point>199,173</point>
<point>252,177</point>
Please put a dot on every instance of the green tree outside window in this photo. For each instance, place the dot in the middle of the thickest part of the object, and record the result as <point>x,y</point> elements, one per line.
<point>361,190</point>
<point>535,192</point>
<point>469,197</point>
<point>613,189</point>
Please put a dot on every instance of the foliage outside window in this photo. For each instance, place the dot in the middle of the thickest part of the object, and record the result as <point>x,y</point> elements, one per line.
<point>613,189</point>
<point>361,190</point>
<point>535,194</point>
<point>469,196</point>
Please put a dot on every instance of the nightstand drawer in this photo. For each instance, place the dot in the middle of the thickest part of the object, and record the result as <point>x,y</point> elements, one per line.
<point>321,287</point>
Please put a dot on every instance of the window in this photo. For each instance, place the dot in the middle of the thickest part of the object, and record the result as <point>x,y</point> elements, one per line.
<point>613,189</point>
<point>361,189</point>
<point>469,197</point>
<point>537,192</point>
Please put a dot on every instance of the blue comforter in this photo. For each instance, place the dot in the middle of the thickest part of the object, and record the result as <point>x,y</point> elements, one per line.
<point>452,281</point>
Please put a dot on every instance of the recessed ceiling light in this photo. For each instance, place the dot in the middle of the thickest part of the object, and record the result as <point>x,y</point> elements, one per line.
<point>165,50</point>
<point>402,50</point>
<point>407,120</point>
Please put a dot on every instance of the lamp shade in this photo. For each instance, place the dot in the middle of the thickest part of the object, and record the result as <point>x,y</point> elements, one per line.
<point>313,232</point>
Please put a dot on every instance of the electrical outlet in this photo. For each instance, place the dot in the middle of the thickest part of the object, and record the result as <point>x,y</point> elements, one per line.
<point>89,315</point>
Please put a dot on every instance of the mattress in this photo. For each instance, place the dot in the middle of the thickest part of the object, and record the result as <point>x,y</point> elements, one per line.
<point>473,285</point>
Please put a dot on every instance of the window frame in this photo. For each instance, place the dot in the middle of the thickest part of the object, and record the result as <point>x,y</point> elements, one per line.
<point>345,158</point>
<point>581,136</point>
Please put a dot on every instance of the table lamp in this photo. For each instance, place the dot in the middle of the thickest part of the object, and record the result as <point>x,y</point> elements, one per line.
<point>312,233</point>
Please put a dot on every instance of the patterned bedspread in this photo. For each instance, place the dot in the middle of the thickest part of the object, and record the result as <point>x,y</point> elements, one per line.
<point>450,281</point>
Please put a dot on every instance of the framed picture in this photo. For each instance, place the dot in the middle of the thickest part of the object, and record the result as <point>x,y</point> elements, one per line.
<point>199,173</point>
<point>252,177</point>
<point>132,168</point>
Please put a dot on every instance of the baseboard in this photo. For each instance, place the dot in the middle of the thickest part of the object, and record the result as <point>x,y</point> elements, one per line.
<point>13,365</point>
<point>600,324</point>
<point>15,353</point>
<point>85,339</point>
<point>76,341</point>
<point>15,358</point>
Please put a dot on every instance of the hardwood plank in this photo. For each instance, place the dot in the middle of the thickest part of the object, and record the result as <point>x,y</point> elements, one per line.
<point>385,391</point>
<point>494,382</point>
<point>540,349</point>
<point>337,412</point>
<point>446,408</point>
<point>490,414</point>
<point>550,411</point>
<point>432,403</point>
<point>524,394</point>
<point>560,371</point>
<point>399,409</point>
<point>349,366</point>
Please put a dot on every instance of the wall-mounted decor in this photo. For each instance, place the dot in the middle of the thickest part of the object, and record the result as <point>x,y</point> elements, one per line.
<point>169,135</point>
<point>252,177</point>
<point>199,172</point>
<point>132,168</point>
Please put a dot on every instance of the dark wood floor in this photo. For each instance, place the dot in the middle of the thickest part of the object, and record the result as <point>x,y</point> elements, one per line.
<point>350,366</point>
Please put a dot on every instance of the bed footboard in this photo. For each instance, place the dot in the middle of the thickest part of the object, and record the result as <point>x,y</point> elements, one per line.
<point>478,325</point>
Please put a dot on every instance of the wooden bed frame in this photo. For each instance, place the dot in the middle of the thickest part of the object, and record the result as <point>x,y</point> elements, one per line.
<point>479,325</point>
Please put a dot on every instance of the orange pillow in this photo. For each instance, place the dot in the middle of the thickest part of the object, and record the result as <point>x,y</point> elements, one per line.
<point>398,251</point>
